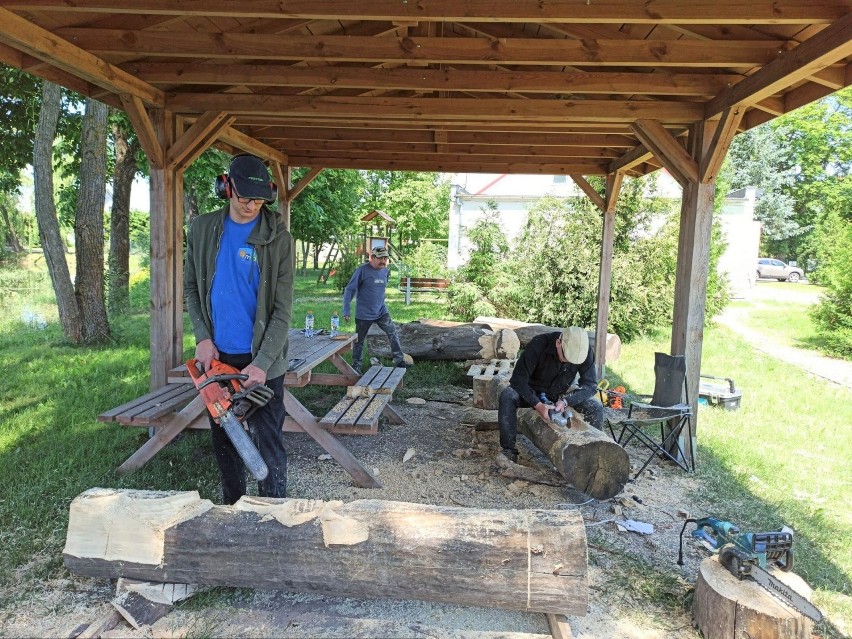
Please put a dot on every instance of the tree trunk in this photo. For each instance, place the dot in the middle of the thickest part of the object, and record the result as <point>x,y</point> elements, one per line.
<point>520,560</point>
<point>435,340</point>
<point>89,224</point>
<point>585,456</point>
<point>305,247</point>
<point>726,608</point>
<point>119,233</point>
<point>11,234</point>
<point>48,224</point>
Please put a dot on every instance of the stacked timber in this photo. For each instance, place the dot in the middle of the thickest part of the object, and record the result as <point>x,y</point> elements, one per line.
<point>519,560</point>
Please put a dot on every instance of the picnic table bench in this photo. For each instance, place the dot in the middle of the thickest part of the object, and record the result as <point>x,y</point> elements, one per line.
<point>411,285</point>
<point>359,411</point>
<point>177,406</point>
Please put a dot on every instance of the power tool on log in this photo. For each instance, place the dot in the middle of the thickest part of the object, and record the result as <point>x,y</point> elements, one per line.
<point>230,404</point>
<point>748,555</point>
<point>559,418</point>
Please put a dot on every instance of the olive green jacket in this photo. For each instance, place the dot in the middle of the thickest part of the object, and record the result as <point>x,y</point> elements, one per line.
<point>273,246</point>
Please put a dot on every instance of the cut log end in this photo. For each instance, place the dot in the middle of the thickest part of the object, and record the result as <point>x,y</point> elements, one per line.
<point>728,608</point>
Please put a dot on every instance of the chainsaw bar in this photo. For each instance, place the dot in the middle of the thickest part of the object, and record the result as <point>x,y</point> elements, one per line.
<point>784,593</point>
<point>244,446</point>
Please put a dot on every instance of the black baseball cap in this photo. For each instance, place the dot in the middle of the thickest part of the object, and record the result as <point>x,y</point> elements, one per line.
<point>251,178</point>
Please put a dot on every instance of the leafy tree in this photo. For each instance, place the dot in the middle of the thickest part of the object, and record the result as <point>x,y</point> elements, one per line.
<point>326,210</point>
<point>126,148</point>
<point>46,213</point>
<point>817,143</point>
<point>757,158</point>
<point>418,202</point>
<point>833,314</point>
<point>89,224</point>
<point>20,97</point>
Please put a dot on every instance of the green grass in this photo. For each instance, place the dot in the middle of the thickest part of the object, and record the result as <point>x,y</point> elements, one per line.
<point>783,458</point>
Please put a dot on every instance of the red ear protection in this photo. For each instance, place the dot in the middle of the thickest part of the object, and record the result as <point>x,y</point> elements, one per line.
<point>222,188</point>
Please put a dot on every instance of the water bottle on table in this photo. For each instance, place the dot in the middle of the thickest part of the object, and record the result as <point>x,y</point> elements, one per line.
<point>309,324</point>
<point>335,324</point>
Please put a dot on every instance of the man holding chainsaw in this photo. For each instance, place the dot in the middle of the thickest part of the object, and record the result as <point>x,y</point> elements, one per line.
<point>547,367</point>
<point>238,284</point>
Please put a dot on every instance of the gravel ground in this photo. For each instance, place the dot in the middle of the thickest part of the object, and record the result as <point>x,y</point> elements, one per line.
<point>452,465</point>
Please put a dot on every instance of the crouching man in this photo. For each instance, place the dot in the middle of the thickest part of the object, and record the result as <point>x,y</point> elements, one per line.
<point>549,365</point>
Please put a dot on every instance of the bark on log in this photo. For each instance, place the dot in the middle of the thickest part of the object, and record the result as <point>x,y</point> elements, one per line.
<point>526,332</point>
<point>726,608</point>
<point>425,339</point>
<point>521,560</point>
<point>587,457</point>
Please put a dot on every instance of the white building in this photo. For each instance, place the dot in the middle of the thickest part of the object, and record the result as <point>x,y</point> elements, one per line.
<point>514,195</point>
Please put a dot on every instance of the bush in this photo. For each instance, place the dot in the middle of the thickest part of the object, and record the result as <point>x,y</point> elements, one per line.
<point>833,313</point>
<point>427,260</point>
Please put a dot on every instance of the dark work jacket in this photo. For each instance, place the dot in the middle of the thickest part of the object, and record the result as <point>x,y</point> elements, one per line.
<point>538,370</point>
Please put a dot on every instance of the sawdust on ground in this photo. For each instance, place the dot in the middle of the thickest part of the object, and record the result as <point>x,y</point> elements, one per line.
<point>452,465</point>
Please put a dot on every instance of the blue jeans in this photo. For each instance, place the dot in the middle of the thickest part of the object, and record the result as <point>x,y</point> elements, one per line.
<point>265,431</point>
<point>511,401</point>
<point>386,324</point>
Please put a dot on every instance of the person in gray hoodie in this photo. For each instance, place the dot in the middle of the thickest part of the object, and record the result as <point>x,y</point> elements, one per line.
<point>238,287</point>
<point>369,283</point>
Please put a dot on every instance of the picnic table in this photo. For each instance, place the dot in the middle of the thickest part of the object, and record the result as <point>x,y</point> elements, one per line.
<point>177,406</point>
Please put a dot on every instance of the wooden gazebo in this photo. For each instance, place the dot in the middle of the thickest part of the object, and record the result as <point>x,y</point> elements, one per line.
<point>573,87</point>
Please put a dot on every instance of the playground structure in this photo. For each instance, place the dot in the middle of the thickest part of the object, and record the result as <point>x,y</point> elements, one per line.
<point>378,230</point>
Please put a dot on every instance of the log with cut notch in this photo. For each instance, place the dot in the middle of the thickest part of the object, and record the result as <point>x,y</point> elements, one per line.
<point>516,559</point>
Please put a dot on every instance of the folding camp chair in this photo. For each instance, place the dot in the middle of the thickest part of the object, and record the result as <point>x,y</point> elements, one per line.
<point>667,409</point>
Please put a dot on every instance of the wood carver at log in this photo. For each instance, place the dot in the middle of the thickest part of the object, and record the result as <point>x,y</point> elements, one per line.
<point>549,365</point>
<point>369,285</point>
<point>238,283</point>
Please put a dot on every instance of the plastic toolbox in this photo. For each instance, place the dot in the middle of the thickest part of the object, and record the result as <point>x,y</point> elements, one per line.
<point>719,391</point>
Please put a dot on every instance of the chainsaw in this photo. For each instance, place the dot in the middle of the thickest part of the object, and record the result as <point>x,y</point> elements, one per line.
<point>748,555</point>
<point>230,404</point>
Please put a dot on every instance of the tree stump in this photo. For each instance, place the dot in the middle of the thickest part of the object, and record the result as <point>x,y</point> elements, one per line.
<point>487,389</point>
<point>725,607</point>
<point>533,560</point>
<point>587,457</point>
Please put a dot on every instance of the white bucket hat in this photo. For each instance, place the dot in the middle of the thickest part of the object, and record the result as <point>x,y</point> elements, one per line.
<point>575,344</point>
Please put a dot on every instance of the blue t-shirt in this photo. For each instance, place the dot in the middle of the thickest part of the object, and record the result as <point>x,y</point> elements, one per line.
<point>369,285</point>
<point>234,292</point>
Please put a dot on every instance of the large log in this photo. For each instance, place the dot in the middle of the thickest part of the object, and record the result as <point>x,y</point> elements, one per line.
<point>725,607</point>
<point>587,457</point>
<point>430,340</point>
<point>523,560</point>
<point>526,332</point>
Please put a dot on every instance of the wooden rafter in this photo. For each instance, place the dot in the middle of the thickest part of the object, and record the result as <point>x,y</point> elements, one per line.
<point>198,138</point>
<point>667,149</point>
<point>612,12</point>
<point>31,39</point>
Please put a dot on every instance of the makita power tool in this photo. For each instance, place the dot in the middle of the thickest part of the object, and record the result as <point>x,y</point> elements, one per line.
<point>748,555</point>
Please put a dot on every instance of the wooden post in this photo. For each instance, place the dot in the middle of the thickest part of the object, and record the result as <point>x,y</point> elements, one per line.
<point>693,259</point>
<point>166,258</point>
<point>613,186</point>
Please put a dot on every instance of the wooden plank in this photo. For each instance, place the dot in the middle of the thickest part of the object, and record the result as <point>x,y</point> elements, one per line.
<point>40,43</point>
<point>198,138</point>
<point>163,436</point>
<point>559,627</point>
<point>141,403</point>
<point>717,12</point>
<point>154,413</point>
<point>667,149</point>
<point>434,50</point>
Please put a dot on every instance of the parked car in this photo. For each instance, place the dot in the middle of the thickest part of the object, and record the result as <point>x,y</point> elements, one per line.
<point>776,269</point>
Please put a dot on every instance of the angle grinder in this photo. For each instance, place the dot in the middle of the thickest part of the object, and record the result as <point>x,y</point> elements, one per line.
<point>560,418</point>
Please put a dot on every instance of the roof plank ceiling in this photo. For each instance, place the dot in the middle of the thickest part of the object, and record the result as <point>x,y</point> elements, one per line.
<point>472,85</point>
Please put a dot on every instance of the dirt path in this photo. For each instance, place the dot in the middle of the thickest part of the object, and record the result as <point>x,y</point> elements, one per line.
<point>834,370</point>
